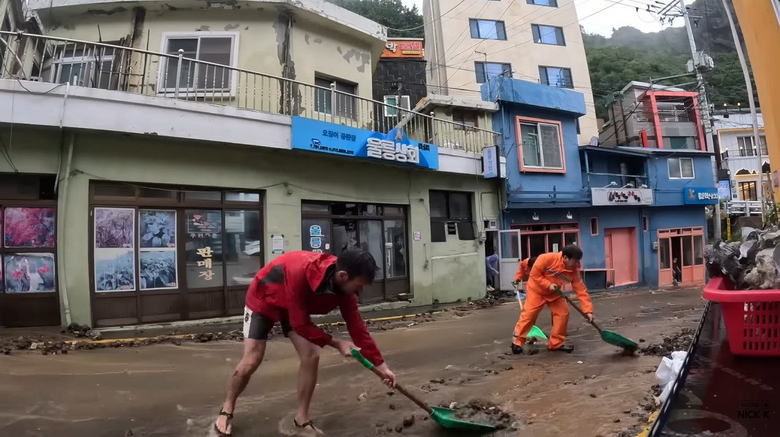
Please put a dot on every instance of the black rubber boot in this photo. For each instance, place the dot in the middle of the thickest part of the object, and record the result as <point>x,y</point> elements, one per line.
<point>517,350</point>
<point>565,348</point>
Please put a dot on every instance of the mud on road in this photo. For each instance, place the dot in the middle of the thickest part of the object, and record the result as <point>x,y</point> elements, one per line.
<point>457,356</point>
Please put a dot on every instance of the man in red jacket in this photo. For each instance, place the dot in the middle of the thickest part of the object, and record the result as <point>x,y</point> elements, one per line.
<point>288,290</point>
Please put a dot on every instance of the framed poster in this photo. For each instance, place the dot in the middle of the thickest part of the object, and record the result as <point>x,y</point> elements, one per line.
<point>114,270</point>
<point>29,227</point>
<point>28,273</point>
<point>157,266</point>
<point>114,228</point>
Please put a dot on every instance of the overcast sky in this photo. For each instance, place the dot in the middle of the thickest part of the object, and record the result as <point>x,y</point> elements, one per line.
<point>616,14</point>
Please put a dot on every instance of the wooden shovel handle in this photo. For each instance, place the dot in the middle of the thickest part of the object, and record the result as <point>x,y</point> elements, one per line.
<point>576,307</point>
<point>370,366</point>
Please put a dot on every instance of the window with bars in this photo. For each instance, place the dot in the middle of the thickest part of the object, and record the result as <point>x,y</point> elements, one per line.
<point>747,146</point>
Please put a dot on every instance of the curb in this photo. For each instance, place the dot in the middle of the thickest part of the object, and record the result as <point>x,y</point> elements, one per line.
<point>186,336</point>
<point>650,421</point>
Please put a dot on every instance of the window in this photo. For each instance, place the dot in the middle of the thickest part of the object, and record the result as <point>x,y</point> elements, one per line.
<point>747,146</point>
<point>674,111</point>
<point>594,226</point>
<point>335,97</point>
<point>552,35</point>
<point>5,27</point>
<point>86,66</point>
<point>538,239</point>
<point>748,191</point>
<point>680,143</point>
<point>393,101</point>
<point>680,168</point>
<point>551,3</point>
<point>541,145</point>
<point>451,210</point>
<point>217,48</point>
<point>487,70</point>
<point>466,119</point>
<point>645,224</point>
<point>556,76</point>
<point>487,29</point>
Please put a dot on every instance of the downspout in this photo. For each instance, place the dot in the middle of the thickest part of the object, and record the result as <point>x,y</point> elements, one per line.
<point>62,212</point>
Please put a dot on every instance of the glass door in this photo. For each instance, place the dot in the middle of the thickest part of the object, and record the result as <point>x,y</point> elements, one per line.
<point>509,255</point>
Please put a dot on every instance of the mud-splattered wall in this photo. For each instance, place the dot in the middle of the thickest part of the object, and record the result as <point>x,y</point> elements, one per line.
<point>276,40</point>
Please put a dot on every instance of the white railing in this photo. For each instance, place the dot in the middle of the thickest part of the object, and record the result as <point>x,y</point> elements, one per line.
<point>172,75</point>
<point>744,207</point>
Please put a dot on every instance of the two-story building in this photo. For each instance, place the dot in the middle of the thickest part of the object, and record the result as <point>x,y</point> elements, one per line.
<point>637,212</point>
<point>747,165</point>
<point>155,156</point>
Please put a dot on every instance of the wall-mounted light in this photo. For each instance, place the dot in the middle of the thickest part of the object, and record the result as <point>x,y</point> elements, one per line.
<point>535,216</point>
<point>611,184</point>
<point>628,185</point>
<point>643,186</point>
<point>568,215</point>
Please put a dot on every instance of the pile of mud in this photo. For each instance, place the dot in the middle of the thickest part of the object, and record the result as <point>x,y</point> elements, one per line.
<point>481,411</point>
<point>676,342</point>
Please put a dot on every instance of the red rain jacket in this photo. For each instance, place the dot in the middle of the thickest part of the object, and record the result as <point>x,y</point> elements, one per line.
<point>293,286</point>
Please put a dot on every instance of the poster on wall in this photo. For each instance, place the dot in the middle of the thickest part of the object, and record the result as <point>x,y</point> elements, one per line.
<point>157,228</point>
<point>204,222</point>
<point>114,270</point>
<point>28,273</point>
<point>114,228</point>
<point>157,269</point>
<point>29,227</point>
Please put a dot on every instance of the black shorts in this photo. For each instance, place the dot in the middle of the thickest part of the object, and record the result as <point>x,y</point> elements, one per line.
<point>258,326</point>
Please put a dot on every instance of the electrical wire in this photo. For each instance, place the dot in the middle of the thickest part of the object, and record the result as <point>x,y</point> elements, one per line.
<point>430,22</point>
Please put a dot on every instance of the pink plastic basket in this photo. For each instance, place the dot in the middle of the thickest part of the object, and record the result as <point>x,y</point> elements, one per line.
<point>752,318</point>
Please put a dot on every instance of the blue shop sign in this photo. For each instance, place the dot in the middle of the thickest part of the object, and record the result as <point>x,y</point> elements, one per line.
<point>394,146</point>
<point>700,196</point>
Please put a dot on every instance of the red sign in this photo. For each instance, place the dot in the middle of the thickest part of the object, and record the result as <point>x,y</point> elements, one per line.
<point>403,48</point>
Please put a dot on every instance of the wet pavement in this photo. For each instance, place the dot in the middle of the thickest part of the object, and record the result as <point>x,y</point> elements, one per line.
<point>175,390</point>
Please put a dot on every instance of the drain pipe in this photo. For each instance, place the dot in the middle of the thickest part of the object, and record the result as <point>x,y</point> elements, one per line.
<point>62,212</point>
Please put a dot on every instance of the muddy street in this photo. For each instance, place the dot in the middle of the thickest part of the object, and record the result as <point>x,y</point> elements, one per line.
<point>175,390</point>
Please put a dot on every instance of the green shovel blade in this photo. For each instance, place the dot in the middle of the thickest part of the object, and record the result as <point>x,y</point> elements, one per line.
<point>446,418</point>
<point>536,332</point>
<point>618,340</point>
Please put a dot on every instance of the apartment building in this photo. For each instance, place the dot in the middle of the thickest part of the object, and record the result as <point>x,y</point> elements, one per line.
<point>470,42</point>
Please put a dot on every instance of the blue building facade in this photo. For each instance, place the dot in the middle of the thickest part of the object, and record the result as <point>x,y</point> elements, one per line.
<point>637,213</point>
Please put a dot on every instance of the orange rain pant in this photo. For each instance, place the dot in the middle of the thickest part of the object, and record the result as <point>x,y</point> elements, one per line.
<point>533,306</point>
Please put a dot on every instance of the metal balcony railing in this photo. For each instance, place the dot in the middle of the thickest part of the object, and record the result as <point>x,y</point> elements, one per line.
<point>617,180</point>
<point>744,207</point>
<point>165,75</point>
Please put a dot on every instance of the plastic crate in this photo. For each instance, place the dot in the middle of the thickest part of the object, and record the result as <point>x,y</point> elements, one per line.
<point>752,318</point>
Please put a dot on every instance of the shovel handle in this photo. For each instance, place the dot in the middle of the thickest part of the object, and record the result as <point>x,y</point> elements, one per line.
<point>370,366</point>
<point>576,307</point>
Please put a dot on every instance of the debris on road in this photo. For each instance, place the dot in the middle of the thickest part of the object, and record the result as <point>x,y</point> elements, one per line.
<point>679,341</point>
<point>481,411</point>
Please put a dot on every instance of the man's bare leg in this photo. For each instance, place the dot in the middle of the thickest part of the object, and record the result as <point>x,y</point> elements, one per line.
<point>309,355</point>
<point>254,350</point>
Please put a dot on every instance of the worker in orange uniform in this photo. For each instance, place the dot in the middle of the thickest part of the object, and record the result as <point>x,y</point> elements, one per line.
<point>524,269</point>
<point>551,271</point>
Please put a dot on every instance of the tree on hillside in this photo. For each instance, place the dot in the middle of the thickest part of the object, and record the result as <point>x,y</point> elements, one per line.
<point>391,13</point>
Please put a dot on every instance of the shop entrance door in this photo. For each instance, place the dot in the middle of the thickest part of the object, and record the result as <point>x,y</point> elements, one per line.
<point>620,253</point>
<point>680,253</point>
<point>365,235</point>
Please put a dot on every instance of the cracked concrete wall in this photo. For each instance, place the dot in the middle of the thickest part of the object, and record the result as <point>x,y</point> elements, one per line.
<point>264,45</point>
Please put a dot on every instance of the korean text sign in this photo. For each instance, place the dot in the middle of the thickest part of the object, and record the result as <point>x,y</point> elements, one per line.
<point>395,146</point>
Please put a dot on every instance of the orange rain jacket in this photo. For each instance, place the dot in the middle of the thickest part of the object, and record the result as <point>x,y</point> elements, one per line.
<point>540,280</point>
<point>522,271</point>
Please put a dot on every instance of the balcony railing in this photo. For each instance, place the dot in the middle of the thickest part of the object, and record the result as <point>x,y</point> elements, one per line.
<point>164,75</point>
<point>603,180</point>
<point>744,207</point>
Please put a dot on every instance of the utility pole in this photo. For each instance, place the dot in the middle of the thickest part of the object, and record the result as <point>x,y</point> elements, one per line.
<point>703,102</point>
<point>752,103</point>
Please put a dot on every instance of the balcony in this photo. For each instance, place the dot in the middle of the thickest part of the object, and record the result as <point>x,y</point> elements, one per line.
<point>744,207</point>
<point>74,63</point>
